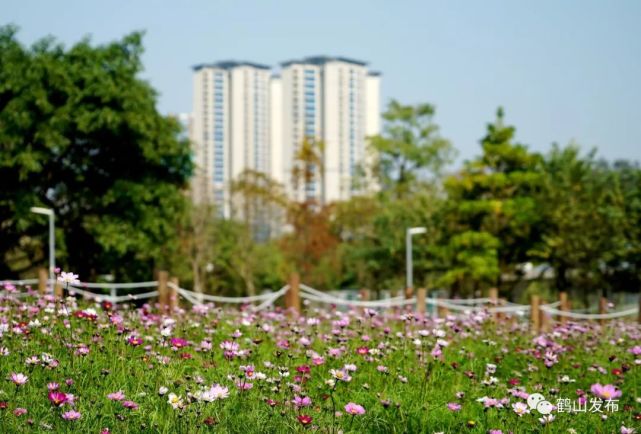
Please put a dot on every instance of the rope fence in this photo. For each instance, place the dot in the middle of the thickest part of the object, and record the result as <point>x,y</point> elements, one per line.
<point>168,291</point>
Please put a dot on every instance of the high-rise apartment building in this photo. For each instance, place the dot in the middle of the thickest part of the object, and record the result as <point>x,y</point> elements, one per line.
<point>230,129</point>
<point>245,118</point>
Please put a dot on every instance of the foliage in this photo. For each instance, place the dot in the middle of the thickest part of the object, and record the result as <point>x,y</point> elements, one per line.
<point>493,213</point>
<point>80,134</point>
<point>409,148</point>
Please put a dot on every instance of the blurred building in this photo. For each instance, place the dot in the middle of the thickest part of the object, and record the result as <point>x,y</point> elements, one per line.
<point>245,117</point>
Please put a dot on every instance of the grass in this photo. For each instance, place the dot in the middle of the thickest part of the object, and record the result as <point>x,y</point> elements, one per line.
<point>412,396</point>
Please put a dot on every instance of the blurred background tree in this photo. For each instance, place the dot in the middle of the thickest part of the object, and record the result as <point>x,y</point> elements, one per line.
<point>80,134</point>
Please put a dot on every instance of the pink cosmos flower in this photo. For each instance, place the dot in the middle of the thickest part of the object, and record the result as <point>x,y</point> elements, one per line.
<point>130,405</point>
<point>19,411</point>
<point>19,379</point>
<point>57,398</point>
<point>116,396</point>
<point>53,386</point>
<point>178,342</point>
<point>134,341</point>
<point>354,409</point>
<point>520,408</point>
<point>71,415</point>
<point>625,430</point>
<point>304,401</point>
<point>453,406</point>
<point>605,392</point>
<point>636,350</point>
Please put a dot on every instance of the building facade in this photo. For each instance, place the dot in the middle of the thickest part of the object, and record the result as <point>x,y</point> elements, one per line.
<point>246,118</point>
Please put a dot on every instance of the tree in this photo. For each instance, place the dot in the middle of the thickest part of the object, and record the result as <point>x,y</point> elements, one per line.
<point>80,133</point>
<point>409,148</point>
<point>584,208</point>
<point>492,202</point>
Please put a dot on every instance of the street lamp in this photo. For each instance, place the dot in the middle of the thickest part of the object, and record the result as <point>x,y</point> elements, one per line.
<point>408,252</point>
<point>52,239</point>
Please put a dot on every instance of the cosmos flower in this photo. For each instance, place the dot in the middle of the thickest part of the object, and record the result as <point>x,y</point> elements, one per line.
<point>354,409</point>
<point>130,405</point>
<point>453,406</point>
<point>57,398</point>
<point>175,401</point>
<point>116,396</point>
<point>304,419</point>
<point>68,278</point>
<point>304,401</point>
<point>19,379</point>
<point>605,392</point>
<point>520,408</point>
<point>71,415</point>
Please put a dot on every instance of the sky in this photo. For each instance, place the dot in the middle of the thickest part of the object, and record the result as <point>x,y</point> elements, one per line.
<point>564,71</point>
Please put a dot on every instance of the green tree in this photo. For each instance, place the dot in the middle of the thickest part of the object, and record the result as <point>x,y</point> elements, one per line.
<point>80,133</point>
<point>584,208</point>
<point>409,149</point>
<point>492,207</point>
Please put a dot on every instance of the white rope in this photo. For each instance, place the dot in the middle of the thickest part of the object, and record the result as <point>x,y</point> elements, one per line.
<point>129,297</point>
<point>88,294</point>
<point>576,315</point>
<point>322,297</point>
<point>20,282</point>
<point>188,296</point>
<point>390,302</point>
<point>132,285</point>
<point>221,299</point>
<point>275,296</point>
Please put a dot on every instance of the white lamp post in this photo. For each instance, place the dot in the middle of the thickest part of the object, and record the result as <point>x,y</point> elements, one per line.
<point>408,253</point>
<point>52,239</point>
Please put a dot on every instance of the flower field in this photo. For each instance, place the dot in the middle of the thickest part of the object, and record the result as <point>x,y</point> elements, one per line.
<point>73,366</point>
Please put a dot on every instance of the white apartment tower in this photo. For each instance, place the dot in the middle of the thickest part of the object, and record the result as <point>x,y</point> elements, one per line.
<point>231,127</point>
<point>335,100</point>
<point>243,117</point>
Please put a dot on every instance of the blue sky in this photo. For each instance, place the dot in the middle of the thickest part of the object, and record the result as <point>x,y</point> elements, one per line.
<point>563,70</point>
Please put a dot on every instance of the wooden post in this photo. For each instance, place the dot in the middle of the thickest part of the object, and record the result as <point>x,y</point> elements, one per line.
<point>57,290</point>
<point>501,315</point>
<point>563,305</point>
<point>292,299</point>
<point>43,277</point>
<point>421,294</point>
<point>364,294</point>
<point>172,297</point>
<point>163,295</point>
<point>494,296</point>
<point>546,324</point>
<point>392,294</point>
<point>535,315</point>
<point>409,293</point>
<point>603,308</point>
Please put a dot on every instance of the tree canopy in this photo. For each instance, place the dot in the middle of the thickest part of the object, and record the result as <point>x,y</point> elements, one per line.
<point>80,134</point>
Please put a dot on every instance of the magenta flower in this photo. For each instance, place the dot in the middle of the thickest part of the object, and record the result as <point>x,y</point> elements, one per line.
<point>130,405</point>
<point>134,341</point>
<point>605,392</point>
<point>71,415</point>
<point>116,396</point>
<point>453,406</point>
<point>354,409</point>
<point>57,398</point>
<point>178,342</point>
